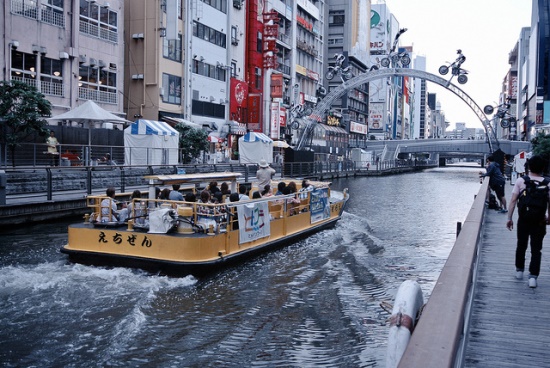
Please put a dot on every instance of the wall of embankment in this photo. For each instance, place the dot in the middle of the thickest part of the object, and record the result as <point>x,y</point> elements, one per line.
<point>44,194</point>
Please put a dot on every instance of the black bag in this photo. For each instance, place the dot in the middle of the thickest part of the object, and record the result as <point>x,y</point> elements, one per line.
<point>533,200</point>
<point>492,204</point>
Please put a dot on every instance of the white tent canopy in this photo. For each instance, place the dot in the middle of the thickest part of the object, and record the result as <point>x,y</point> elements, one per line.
<point>149,142</point>
<point>87,112</point>
<point>254,147</point>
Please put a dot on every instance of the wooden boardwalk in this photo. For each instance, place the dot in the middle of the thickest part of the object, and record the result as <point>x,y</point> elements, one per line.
<point>509,324</point>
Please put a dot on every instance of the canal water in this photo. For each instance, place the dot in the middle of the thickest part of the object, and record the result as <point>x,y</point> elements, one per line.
<point>315,303</point>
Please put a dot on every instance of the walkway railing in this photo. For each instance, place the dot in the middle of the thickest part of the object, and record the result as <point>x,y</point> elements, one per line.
<point>438,337</point>
<point>45,182</point>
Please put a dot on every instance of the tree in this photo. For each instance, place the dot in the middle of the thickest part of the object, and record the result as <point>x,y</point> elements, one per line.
<point>23,110</point>
<point>192,142</point>
<point>541,146</point>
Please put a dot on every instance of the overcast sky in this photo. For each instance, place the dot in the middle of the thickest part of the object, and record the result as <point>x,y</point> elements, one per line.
<point>485,30</point>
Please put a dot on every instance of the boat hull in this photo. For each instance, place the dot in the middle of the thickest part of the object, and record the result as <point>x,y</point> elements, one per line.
<point>176,254</point>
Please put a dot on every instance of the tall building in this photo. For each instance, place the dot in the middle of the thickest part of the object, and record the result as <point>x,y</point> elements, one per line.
<point>538,83</point>
<point>70,50</point>
<point>348,35</point>
<point>418,125</point>
<point>386,98</point>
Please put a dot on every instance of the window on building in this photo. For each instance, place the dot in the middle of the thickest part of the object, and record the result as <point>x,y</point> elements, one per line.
<point>234,38</point>
<point>209,109</point>
<point>97,21</point>
<point>172,89</point>
<point>171,49</point>
<point>48,79</point>
<point>23,68</point>
<point>209,34</point>
<point>51,76</point>
<point>258,78</point>
<point>336,18</point>
<point>163,7</point>
<point>259,46</point>
<point>97,84</point>
<point>233,69</point>
<point>208,70</point>
<point>221,5</point>
<point>50,11</point>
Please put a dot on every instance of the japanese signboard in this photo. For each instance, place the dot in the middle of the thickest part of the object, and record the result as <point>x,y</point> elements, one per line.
<point>253,222</point>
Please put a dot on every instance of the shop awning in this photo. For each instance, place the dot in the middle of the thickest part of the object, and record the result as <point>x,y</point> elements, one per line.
<point>152,127</point>
<point>182,121</point>
<point>237,128</point>
<point>255,136</point>
<point>214,139</point>
<point>334,129</point>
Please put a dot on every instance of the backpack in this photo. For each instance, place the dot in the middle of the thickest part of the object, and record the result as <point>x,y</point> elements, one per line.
<point>533,200</point>
<point>492,204</point>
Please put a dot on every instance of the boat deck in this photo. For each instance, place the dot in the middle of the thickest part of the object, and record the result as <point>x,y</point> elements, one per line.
<point>510,322</point>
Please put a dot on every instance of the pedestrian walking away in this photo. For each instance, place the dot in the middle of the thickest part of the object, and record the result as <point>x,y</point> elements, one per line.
<point>497,181</point>
<point>531,194</point>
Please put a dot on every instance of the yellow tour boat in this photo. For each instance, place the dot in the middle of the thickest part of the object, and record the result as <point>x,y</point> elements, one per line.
<point>184,237</point>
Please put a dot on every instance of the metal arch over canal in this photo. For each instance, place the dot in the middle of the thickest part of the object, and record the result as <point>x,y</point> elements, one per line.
<point>324,105</point>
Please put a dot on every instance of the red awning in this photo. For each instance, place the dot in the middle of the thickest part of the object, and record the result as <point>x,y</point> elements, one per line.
<point>214,139</point>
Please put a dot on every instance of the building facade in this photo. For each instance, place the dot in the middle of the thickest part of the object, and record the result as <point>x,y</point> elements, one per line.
<point>70,50</point>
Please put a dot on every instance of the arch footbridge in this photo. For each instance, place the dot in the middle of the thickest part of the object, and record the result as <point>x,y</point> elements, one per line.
<point>325,104</point>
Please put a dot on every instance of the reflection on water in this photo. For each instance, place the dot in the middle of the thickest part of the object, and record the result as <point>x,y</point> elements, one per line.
<point>313,303</point>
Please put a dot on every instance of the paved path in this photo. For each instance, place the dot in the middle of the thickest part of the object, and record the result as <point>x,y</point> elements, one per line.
<point>510,322</point>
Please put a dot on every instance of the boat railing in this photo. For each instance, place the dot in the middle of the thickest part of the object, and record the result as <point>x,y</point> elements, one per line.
<point>207,217</point>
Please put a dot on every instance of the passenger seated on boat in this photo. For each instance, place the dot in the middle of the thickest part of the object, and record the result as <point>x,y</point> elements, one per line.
<point>109,211</point>
<point>190,197</point>
<point>130,211</point>
<point>267,192</point>
<point>291,202</point>
<point>175,194</point>
<point>242,193</point>
<point>224,192</point>
<point>256,195</point>
<point>205,214</point>
<point>164,198</point>
<point>280,187</point>
<point>306,187</point>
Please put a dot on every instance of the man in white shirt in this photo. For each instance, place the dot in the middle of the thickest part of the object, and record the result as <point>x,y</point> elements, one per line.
<point>264,174</point>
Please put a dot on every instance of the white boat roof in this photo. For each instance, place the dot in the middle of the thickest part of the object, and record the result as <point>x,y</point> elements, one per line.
<point>191,178</point>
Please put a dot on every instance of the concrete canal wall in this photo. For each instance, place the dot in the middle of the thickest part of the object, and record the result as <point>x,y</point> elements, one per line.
<point>41,194</point>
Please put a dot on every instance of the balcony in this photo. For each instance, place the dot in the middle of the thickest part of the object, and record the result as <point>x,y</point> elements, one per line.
<point>94,30</point>
<point>307,48</point>
<point>87,93</point>
<point>285,69</point>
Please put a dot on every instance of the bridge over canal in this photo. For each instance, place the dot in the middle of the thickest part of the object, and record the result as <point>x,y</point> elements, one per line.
<point>442,148</point>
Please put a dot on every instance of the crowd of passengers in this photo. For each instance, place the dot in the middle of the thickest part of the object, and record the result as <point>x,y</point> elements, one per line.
<point>211,195</point>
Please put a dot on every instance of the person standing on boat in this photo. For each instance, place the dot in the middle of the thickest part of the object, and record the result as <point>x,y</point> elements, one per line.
<point>264,174</point>
<point>109,211</point>
<point>527,227</point>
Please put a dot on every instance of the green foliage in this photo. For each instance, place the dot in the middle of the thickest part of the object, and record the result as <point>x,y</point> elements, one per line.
<point>192,142</point>
<point>541,146</point>
<point>23,110</point>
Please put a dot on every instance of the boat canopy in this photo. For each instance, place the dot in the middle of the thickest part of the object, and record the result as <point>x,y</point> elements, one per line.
<point>191,178</point>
